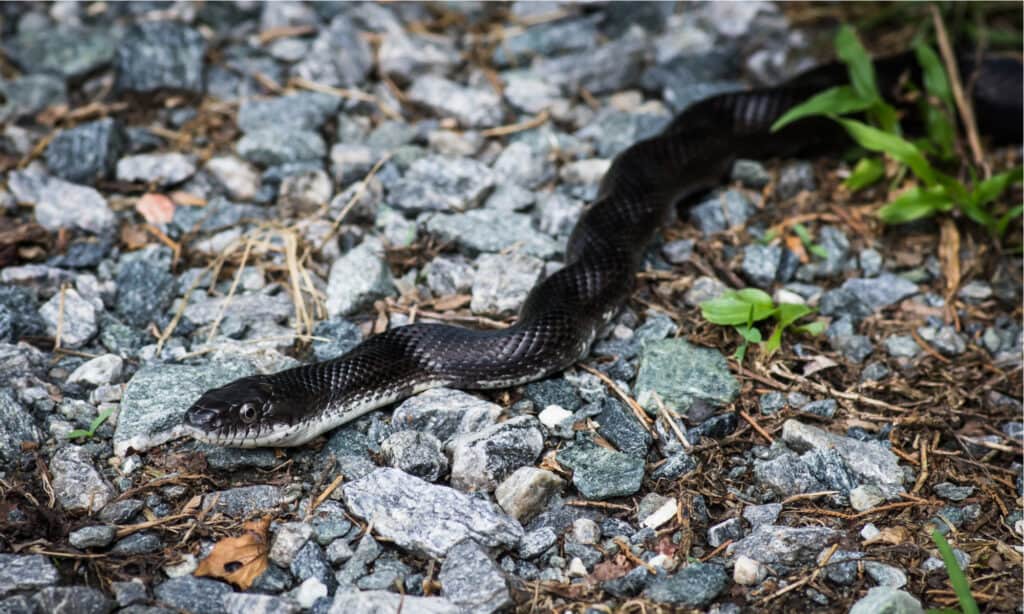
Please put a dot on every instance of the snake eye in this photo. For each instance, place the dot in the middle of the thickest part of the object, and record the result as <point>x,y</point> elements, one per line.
<point>247,413</point>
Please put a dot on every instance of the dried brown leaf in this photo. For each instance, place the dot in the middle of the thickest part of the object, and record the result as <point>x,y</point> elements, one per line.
<point>889,535</point>
<point>239,560</point>
<point>155,208</point>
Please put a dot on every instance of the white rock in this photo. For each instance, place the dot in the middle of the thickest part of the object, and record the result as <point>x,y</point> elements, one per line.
<point>576,568</point>
<point>99,371</point>
<point>185,567</point>
<point>865,497</point>
<point>241,179</point>
<point>870,531</point>
<point>308,592</point>
<point>585,531</point>
<point>746,571</point>
<point>557,420</point>
<point>661,515</point>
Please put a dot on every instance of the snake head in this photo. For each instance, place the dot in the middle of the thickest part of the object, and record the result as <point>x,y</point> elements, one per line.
<point>241,413</point>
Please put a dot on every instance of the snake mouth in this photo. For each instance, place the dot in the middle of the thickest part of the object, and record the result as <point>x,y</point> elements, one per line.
<point>282,436</point>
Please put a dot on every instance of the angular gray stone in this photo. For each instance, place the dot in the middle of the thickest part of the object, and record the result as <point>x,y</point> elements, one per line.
<point>622,429</point>
<point>416,453</point>
<point>442,183</point>
<point>338,57</point>
<point>99,371</point>
<point>59,204</point>
<point>527,491</point>
<point>157,397</point>
<point>489,230</point>
<point>162,169</point>
<point>16,426</point>
<point>390,499</point>
<point>278,145</point>
<point>156,55</point>
<point>95,536</point>
<point>358,278</point>
<point>887,600</point>
<point>76,482</point>
<point>69,51</point>
<point>29,94</point>
<point>481,460</point>
<point>289,538</point>
<point>22,572</point>
<point>682,374</point>
<point>193,594</point>
<point>882,291</point>
<point>472,580</point>
<point>599,473</point>
<point>502,282</point>
<point>523,165</point>
<point>787,545</point>
<point>444,413</point>
<point>472,107</point>
<point>86,152</point>
<point>383,602</point>
<point>243,603</point>
<point>761,264</point>
<point>243,501</point>
<point>238,177</point>
<point>695,585</point>
<point>74,316</point>
<point>301,111</point>
<point>721,211</point>
<point>869,462</point>
<point>72,600</point>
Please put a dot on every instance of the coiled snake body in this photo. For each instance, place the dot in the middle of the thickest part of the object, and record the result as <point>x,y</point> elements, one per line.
<point>562,314</point>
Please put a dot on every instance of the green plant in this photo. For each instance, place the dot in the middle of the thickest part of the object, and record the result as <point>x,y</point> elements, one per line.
<point>742,309</point>
<point>934,191</point>
<point>961,586</point>
<point>95,424</point>
<point>805,237</point>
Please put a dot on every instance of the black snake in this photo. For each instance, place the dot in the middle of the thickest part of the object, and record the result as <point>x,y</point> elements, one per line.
<point>562,315</point>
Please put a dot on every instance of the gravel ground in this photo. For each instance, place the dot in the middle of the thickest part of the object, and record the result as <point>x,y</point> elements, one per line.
<point>196,192</point>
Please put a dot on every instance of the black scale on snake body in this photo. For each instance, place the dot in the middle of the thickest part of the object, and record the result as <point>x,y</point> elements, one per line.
<point>562,314</point>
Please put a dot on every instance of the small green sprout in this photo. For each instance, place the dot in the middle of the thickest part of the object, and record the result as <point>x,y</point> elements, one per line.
<point>95,424</point>
<point>961,586</point>
<point>741,309</point>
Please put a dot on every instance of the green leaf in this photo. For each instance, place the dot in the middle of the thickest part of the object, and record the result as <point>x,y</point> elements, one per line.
<point>885,117</point>
<point>915,204</point>
<point>990,189</point>
<point>867,172</point>
<point>750,334</point>
<point>78,434</point>
<point>904,151</point>
<point>805,237</point>
<point>786,314</point>
<point>933,73</point>
<point>858,63</point>
<point>735,308</point>
<point>100,419</point>
<point>1004,220</point>
<point>814,328</point>
<point>961,586</point>
<point>833,101</point>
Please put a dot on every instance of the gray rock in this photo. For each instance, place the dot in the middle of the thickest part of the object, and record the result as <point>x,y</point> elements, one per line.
<point>611,67</point>
<point>902,346</point>
<point>869,462</point>
<point>794,178</point>
<point>489,230</point>
<point>472,580</point>
<point>887,600</point>
<point>882,291</point>
<point>79,487</point>
<point>502,282</point>
<point>786,545</point>
<point>405,56</point>
<point>787,474</point>
<point>444,413</point>
<point>865,497</point>
<point>242,603</point>
<point>416,453</point>
<point>289,538</point>
<point>72,315</point>
<point>59,204</point>
<point>724,531</point>
<point>885,575</point>
<point>383,602</point>
<point>600,473</point>
<point>523,165</point>
<point>239,178</point>
<point>953,492</point>
<point>945,339</point>
<point>695,585</point>
<point>193,594</point>
<point>874,371</point>
<point>300,111</point>
<point>358,278</point>
<point>350,162</point>
<point>304,193</point>
<point>441,183</point>
<point>546,39</point>
<point>761,264</point>
<point>527,491</point>
<point>614,131</point>
<point>472,107</point>
<point>67,51</point>
<point>16,426</point>
<point>536,542</point>
<point>677,252</point>
<point>677,464</point>
<point>86,152</point>
<point>311,562</point>
<point>99,371</point>
<point>120,512</point>
<point>758,515</point>
<point>136,544</point>
<point>162,169</point>
<point>622,429</point>
<point>721,211</point>
<point>527,92</point>
<point>72,600</point>
<point>557,214</point>
<point>338,57</point>
<point>871,262</point>
<point>95,536</point>
<point>19,315</point>
<point>481,460</point>
<point>704,288</point>
<point>750,173</point>
<point>156,55</point>
<point>29,94</point>
<point>342,335</point>
<point>243,501</point>
<point>683,374</point>
<point>279,145</point>
<point>445,516</point>
<point>826,408</point>
<point>446,276</point>
<point>975,291</point>
<point>129,592</point>
<point>359,563</point>
<point>23,572</point>
<point>145,287</point>
<point>156,398</point>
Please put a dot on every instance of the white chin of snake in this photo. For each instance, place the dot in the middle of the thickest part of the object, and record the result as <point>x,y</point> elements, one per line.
<point>283,438</point>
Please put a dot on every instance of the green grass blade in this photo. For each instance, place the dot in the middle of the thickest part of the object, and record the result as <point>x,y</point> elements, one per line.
<point>867,172</point>
<point>961,586</point>
<point>915,204</point>
<point>858,63</point>
<point>904,151</point>
<point>833,101</point>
